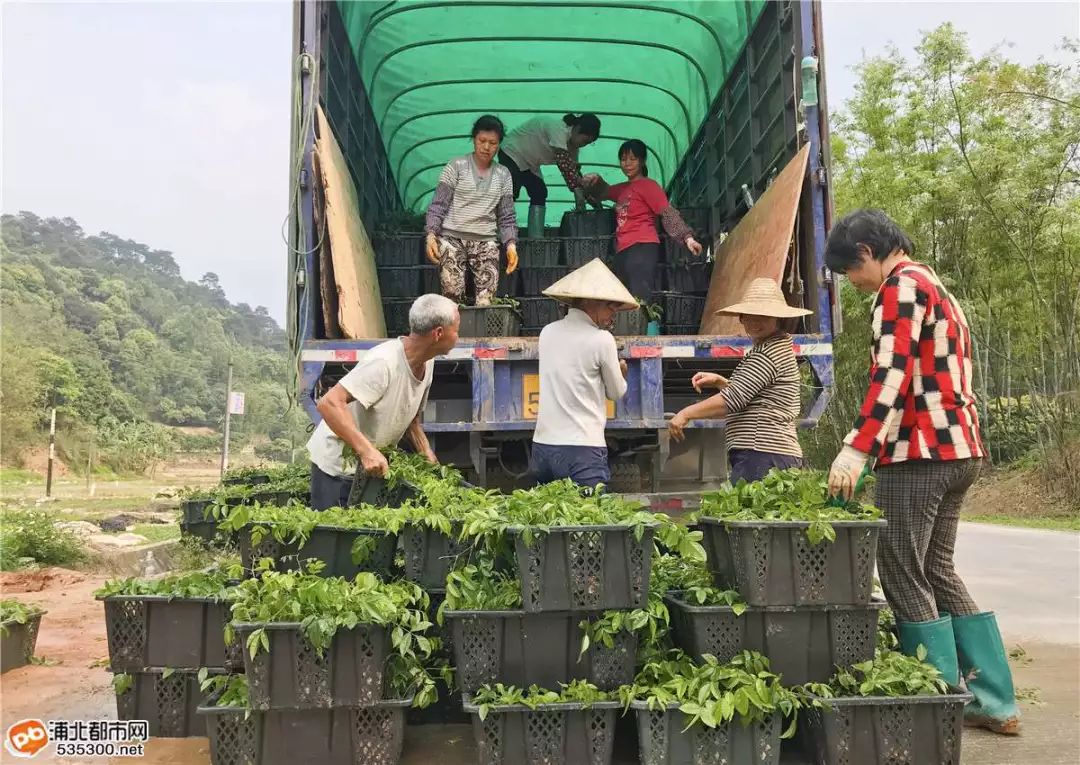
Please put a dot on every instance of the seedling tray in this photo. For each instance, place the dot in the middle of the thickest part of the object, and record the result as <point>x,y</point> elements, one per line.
<point>371,735</point>
<point>583,568</point>
<point>804,644</point>
<point>665,739</point>
<point>293,675</point>
<point>159,631</point>
<point>773,563</point>
<point>518,648</point>
<point>879,730</point>
<point>551,734</point>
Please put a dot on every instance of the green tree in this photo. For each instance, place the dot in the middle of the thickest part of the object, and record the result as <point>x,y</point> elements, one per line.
<point>978,159</point>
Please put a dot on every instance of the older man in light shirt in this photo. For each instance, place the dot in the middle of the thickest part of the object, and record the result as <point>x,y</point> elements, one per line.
<point>379,401</point>
<point>580,371</point>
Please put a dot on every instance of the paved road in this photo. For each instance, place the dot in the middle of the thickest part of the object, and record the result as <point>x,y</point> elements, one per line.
<point>1030,577</point>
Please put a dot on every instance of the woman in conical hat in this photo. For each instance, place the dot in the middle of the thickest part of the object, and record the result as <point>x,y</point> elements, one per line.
<point>761,400</point>
<point>580,371</point>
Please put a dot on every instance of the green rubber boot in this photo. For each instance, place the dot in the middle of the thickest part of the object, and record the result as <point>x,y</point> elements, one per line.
<point>986,672</point>
<point>536,221</point>
<point>937,636</point>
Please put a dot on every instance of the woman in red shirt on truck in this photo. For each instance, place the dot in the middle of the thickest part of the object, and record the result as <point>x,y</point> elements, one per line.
<point>637,203</point>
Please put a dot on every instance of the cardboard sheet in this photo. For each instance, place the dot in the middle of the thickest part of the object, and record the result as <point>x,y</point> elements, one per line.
<point>757,247</point>
<point>325,264</point>
<point>360,313</point>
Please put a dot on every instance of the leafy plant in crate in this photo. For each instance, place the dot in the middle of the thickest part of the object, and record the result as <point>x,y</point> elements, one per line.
<point>178,620</point>
<point>786,495</point>
<point>714,693</point>
<point>892,703</point>
<point>320,608</point>
<point>368,531</point>
<point>19,624</point>
<point>784,541</point>
<point>576,692</point>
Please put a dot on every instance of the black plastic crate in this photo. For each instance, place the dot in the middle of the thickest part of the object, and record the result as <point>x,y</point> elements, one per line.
<point>679,308</point>
<point>400,281</point>
<point>430,554</point>
<point>577,251</point>
<point>400,249</point>
<point>17,642</point>
<point>665,739</point>
<point>292,674</point>
<point>371,735</point>
<point>396,315</point>
<point>539,311</point>
<point>588,223</point>
<point>509,284</point>
<point>489,321</point>
<point>567,734</point>
<point>167,699</point>
<point>196,519</point>
<point>691,277</point>
<point>682,329</point>
<point>772,563</point>
<point>158,631</point>
<point>372,490</point>
<point>525,331</point>
<point>345,551</point>
<point>539,252</point>
<point>429,280</point>
<point>519,648</point>
<point>630,323</point>
<point>252,479</point>
<point>536,279</point>
<point>584,568</point>
<point>804,645</point>
<point>878,730</point>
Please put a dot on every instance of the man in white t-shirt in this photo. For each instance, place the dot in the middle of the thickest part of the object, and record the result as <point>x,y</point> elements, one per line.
<point>380,400</point>
<point>580,371</point>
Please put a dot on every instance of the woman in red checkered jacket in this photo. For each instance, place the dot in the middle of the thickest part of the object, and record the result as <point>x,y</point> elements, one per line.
<point>919,422</point>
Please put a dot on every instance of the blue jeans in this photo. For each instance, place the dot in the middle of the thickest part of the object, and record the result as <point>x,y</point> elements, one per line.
<point>584,465</point>
<point>751,465</point>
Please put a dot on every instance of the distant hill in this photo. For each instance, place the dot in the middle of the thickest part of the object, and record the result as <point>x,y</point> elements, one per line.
<point>107,330</point>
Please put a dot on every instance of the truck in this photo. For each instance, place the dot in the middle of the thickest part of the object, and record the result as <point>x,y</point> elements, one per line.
<point>725,94</point>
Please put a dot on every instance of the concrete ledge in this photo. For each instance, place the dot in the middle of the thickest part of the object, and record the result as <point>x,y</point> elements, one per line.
<point>147,560</point>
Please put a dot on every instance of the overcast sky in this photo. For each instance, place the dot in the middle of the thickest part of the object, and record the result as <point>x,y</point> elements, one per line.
<point>168,122</point>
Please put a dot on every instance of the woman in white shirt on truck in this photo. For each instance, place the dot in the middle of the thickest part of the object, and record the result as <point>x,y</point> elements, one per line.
<point>547,141</point>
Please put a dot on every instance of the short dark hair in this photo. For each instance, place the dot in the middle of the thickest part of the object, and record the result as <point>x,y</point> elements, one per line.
<point>872,228</point>
<point>636,147</point>
<point>587,123</point>
<point>489,123</point>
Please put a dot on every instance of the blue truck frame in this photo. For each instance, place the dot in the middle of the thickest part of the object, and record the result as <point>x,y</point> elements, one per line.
<point>496,367</point>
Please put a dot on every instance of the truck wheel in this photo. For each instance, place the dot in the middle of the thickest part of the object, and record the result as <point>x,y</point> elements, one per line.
<point>625,477</point>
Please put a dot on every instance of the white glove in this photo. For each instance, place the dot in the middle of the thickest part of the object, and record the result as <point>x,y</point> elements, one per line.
<point>844,473</point>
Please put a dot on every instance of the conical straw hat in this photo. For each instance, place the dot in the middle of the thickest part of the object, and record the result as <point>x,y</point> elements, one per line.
<point>764,298</point>
<point>593,281</point>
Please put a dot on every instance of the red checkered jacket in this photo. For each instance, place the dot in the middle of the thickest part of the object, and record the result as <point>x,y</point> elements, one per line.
<point>921,403</point>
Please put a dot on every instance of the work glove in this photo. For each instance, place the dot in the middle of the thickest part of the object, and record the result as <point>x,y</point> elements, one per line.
<point>844,473</point>
<point>579,200</point>
<point>432,248</point>
<point>511,258</point>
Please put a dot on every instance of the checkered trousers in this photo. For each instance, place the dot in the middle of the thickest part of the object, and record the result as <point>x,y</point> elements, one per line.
<point>921,400</point>
<point>921,501</point>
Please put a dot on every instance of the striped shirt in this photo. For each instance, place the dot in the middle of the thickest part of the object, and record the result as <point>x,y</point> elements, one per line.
<point>470,207</point>
<point>762,398</point>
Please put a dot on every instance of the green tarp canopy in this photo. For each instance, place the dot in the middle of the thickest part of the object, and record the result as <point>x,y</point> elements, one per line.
<point>649,70</point>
